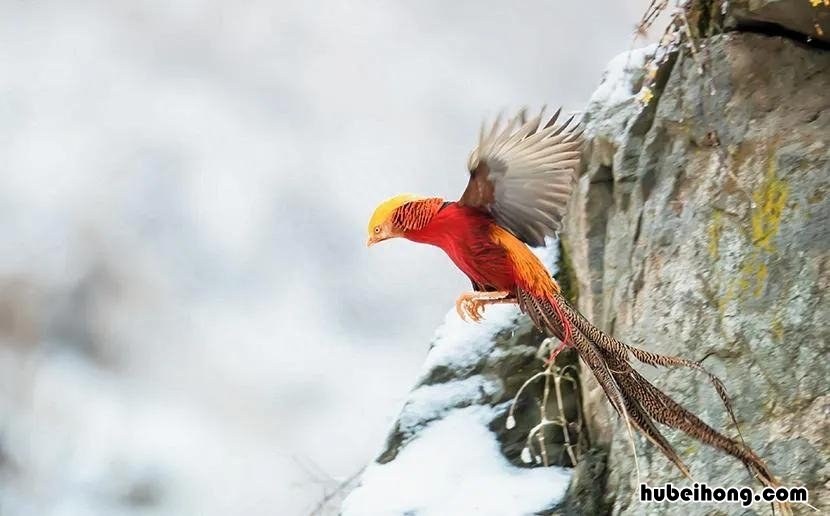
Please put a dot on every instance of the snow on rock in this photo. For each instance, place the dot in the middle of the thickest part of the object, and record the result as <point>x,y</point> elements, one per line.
<point>453,467</point>
<point>430,402</point>
<point>616,85</point>
<point>450,450</point>
<point>613,103</point>
<point>460,345</point>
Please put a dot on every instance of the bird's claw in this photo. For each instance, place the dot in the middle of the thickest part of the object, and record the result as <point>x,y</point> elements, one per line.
<point>471,305</point>
<point>469,308</point>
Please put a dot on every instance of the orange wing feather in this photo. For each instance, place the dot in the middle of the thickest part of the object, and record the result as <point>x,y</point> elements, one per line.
<point>532,278</point>
<point>528,270</point>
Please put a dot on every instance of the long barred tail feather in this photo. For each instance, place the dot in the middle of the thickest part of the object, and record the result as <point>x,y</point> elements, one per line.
<point>543,314</point>
<point>621,349</point>
<point>567,328</point>
<point>670,413</point>
<point>608,381</point>
<point>634,398</point>
<point>547,315</point>
<point>642,420</point>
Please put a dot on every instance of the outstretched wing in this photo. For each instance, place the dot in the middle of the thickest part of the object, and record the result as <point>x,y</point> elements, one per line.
<point>522,174</point>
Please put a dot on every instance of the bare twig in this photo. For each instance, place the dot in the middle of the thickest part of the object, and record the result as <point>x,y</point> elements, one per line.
<point>342,486</point>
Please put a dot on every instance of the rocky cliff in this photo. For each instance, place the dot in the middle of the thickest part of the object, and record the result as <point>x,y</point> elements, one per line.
<point>700,228</point>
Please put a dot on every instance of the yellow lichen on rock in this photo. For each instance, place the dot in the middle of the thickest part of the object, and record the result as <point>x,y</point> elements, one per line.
<point>715,232</point>
<point>770,200</point>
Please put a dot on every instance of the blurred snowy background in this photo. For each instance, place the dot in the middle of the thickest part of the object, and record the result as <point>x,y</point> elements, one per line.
<point>190,322</point>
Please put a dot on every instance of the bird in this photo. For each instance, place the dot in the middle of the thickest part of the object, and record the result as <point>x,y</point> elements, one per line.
<point>521,176</point>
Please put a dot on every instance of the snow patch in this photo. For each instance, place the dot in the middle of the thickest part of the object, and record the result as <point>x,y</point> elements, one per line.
<point>455,466</point>
<point>459,344</point>
<point>430,402</point>
<point>549,254</point>
<point>617,80</point>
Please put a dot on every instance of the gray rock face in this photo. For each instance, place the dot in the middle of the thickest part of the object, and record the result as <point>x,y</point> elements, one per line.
<point>810,18</point>
<point>701,228</point>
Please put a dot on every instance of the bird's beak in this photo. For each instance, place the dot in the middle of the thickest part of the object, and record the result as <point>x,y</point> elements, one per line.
<point>376,238</point>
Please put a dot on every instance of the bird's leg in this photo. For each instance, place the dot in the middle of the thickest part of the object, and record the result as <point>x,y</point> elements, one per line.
<point>471,304</point>
<point>553,354</point>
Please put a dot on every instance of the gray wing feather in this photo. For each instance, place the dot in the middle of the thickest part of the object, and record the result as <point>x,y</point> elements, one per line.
<point>530,166</point>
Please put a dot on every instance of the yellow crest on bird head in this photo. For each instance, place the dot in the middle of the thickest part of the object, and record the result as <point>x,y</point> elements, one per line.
<point>385,209</point>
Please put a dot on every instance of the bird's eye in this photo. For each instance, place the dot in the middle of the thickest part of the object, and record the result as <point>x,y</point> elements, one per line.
<point>377,229</point>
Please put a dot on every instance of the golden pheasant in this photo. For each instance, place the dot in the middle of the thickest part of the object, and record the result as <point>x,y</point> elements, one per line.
<point>521,177</point>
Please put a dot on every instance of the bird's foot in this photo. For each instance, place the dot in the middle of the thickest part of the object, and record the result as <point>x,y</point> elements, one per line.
<point>471,304</point>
